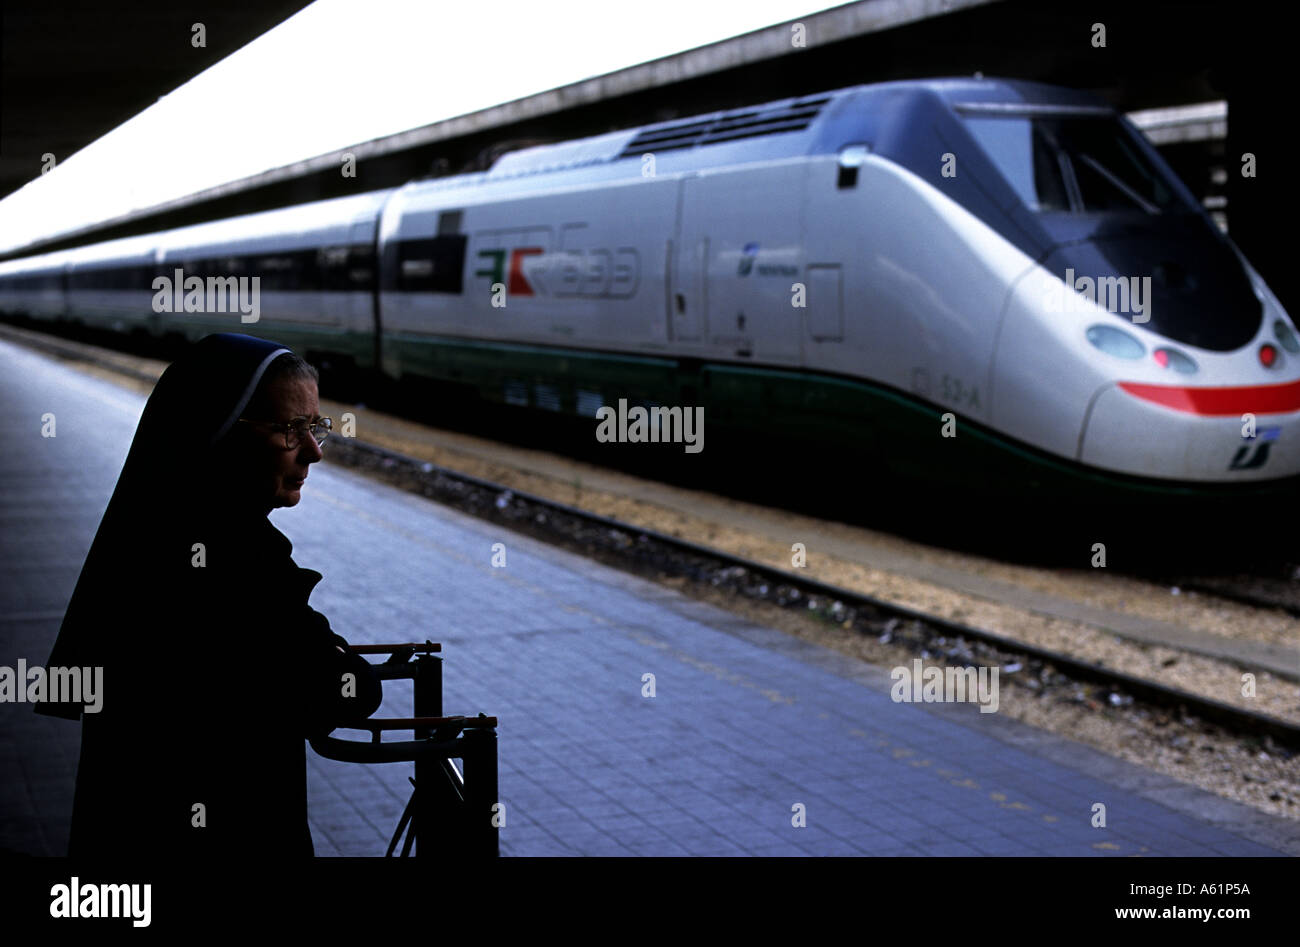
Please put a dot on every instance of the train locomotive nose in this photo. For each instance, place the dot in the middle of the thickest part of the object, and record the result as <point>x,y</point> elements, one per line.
<point>1223,404</point>
<point>1173,274</point>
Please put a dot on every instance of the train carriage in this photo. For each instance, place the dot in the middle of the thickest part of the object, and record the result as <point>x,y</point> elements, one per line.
<point>35,287</point>
<point>315,269</point>
<point>968,279</point>
<point>109,285</point>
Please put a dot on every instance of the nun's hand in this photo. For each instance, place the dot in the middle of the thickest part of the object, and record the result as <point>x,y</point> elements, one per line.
<point>343,689</point>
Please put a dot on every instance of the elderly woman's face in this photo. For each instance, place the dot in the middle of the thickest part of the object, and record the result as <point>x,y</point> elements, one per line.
<point>280,473</point>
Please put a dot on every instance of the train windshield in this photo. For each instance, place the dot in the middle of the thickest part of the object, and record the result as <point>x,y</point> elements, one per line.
<point>1074,164</point>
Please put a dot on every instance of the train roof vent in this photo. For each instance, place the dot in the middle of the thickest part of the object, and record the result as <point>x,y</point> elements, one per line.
<point>542,159</point>
<point>730,126</point>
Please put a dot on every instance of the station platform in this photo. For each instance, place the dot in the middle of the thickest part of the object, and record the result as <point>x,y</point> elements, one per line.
<point>746,724</point>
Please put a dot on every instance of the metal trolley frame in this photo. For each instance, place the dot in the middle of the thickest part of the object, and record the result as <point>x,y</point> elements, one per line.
<point>449,811</point>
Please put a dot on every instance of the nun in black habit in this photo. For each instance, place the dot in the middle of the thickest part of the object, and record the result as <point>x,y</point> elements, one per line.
<point>215,668</point>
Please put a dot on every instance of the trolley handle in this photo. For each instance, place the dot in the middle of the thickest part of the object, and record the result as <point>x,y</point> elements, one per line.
<point>429,647</point>
<point>444,727</point>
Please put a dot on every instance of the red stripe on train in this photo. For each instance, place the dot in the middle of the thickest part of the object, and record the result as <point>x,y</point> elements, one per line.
<point>1255,399</point>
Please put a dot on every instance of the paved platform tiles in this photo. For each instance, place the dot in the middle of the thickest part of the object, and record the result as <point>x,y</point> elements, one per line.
<point>746,723</point>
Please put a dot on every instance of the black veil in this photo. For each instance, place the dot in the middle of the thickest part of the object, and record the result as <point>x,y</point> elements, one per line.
<point>171,479</point>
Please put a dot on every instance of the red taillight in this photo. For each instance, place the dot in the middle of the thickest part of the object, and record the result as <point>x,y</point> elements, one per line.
<point>1267,355</point>
<point>1172,358</point>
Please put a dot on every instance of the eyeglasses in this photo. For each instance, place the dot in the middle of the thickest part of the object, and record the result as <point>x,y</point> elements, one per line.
<point>292,432</point>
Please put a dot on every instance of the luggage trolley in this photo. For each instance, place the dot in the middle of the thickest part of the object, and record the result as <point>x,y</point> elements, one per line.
<point>448,810</point>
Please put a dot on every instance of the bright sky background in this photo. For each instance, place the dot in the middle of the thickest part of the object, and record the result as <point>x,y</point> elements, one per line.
<point>344,71</point>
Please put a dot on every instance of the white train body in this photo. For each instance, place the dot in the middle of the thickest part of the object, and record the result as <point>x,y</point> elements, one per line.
<point>903,244</point>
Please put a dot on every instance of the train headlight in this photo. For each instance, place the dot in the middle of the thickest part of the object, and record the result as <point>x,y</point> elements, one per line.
<point>1286,336</point>
<point>851,158</point>
<point>1172,358</point>
<point>1267,355</point>
<point>1115,342</point>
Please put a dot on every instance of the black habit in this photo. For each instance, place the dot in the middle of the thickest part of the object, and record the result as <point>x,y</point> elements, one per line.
<point>215,668</point>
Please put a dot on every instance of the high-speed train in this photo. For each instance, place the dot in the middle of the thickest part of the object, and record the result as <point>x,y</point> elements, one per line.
<point>882,269</point>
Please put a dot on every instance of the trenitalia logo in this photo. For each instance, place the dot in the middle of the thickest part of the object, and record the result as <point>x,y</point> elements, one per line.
<point>534,271</point>
<point>518,285</point>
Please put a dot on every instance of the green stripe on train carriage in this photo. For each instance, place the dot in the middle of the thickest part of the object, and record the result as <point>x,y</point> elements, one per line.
<point>834,419</point>
<point>831,416</point>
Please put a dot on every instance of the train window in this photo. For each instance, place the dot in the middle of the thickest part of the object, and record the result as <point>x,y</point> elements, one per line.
<point>1104,167</point>
<point>449,222</point>
<point>431,265</point>
<point>1025,158</point>
<point>345,268</point>
<point>288,271</point>
<point>110,277</point>
<point>332,263</point>
<point>276,271</point>
<point>361,267</point>
<point>1112,174</point>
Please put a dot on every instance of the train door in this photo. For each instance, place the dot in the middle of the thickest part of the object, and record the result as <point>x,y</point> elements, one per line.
<point>823,310</point>
<point>361,249</point>
<point>833,242</point>
<point>740,261</point>
<point>688,302</point>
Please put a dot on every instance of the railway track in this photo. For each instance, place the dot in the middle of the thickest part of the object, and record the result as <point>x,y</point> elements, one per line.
<point>1280,591</point>
<point>647,551</point>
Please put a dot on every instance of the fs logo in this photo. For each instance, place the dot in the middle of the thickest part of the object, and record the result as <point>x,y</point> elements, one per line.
<point>1253,456</point>
<point>747,259</point>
